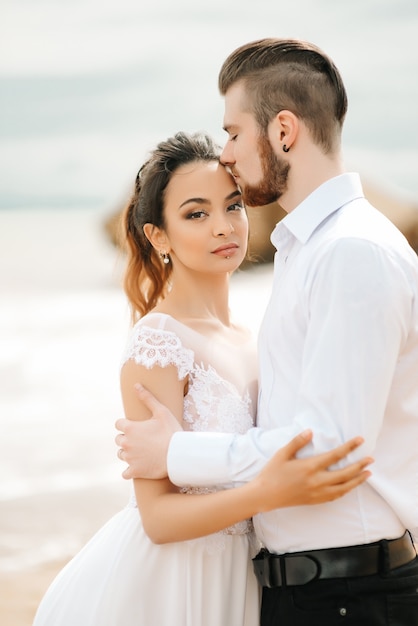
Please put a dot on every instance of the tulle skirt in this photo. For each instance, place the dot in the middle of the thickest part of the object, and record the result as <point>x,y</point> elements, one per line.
<point>120,578</point>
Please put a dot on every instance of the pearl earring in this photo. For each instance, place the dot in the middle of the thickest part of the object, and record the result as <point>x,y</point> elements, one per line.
<point>165,257</point>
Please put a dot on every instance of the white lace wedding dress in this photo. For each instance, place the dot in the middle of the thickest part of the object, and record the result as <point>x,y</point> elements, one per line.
<point>120,578</point>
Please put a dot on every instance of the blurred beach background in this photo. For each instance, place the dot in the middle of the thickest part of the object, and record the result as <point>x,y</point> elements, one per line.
<point>87,88</point>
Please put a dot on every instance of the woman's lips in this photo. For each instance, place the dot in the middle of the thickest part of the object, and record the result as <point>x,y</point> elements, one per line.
<point>226,250</point>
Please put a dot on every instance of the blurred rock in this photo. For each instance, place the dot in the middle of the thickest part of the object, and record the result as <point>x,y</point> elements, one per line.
<point>403,213</point>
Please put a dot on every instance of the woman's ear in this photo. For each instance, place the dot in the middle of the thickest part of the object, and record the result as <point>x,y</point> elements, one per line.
<point>157,237</point>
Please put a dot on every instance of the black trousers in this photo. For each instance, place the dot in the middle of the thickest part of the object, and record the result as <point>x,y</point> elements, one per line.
<point>378,600</point>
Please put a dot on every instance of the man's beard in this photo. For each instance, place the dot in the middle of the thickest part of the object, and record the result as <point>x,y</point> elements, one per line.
<point>274,182</point>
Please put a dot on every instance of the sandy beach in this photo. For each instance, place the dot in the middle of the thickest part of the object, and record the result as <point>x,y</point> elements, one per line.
<point>58,273</point>
<point>21,593</point>
<point>74,518</point>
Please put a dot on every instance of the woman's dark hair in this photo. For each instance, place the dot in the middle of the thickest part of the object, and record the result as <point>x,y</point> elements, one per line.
<point>146,277</point>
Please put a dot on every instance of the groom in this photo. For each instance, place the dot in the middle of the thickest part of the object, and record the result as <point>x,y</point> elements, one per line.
<point>338,351</point>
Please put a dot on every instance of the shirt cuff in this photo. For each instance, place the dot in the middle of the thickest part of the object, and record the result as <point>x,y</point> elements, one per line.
<point>199,459</point>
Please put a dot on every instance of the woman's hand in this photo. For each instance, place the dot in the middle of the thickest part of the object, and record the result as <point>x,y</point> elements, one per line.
<point>289,481</point>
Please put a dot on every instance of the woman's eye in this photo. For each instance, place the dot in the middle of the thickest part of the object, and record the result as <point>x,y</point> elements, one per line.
<point>237,206</point>
<point>195,215</point>
<point>233,138</point>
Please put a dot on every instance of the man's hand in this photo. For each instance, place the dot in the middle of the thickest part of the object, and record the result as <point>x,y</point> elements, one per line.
<point>144,445</point>
<point>290,481</point>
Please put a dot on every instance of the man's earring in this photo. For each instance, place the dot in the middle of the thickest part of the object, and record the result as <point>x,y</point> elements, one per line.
<point>165,257</point>
<point>285,148</point>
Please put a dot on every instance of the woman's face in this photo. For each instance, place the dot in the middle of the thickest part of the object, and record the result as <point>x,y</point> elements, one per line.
<point>206,225</point>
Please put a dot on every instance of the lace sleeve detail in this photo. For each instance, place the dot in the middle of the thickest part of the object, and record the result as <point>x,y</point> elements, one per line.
<point>149,346</point>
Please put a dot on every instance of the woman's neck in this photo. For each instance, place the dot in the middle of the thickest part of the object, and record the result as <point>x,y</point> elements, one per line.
<point>202,298</point>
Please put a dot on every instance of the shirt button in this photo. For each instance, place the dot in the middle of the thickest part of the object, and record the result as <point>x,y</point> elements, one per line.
<point>343,612</point>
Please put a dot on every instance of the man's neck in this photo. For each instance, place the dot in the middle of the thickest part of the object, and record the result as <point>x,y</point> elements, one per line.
<point>308,171</point>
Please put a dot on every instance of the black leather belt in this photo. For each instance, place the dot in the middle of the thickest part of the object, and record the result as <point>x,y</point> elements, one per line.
<point>299,568</point>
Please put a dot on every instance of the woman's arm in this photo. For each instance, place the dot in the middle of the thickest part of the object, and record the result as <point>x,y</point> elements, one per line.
<point>170,516</point>
<point>285,481</point>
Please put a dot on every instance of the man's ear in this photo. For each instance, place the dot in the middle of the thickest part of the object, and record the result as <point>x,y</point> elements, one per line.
<point>157,237</point>
<point>283,130</point>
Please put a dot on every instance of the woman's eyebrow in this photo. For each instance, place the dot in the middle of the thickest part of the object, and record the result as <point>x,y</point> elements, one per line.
<point>194,200</point>
<point>230,196</point>
<point>234,194</point>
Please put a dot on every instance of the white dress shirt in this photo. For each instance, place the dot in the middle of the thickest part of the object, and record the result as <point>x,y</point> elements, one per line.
<point>338,353</point>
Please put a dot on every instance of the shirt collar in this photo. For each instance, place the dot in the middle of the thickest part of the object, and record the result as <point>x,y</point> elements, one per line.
<point>326,199</point>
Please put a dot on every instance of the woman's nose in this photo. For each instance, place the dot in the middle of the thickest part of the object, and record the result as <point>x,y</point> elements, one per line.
<point>223,227</point>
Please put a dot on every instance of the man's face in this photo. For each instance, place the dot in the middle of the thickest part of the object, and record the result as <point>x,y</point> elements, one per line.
<point>258,171</point>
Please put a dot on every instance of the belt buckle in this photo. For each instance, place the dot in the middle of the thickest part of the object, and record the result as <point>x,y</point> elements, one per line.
<point>297,570</point>
<point>267,569</point>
